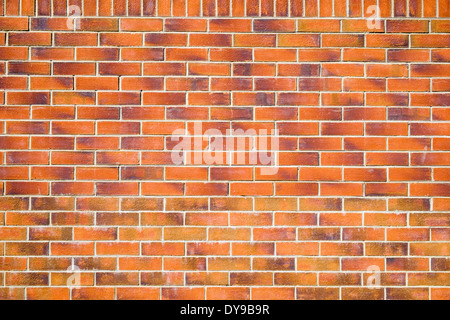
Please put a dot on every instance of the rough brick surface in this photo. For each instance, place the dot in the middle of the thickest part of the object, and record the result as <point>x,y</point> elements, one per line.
<point>87,179</point>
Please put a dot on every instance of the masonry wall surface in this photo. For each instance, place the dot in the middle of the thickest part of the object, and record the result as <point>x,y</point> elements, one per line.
<point>90,195</point>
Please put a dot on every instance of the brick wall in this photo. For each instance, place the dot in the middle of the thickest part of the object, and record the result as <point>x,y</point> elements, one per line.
<point>93,206</point>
